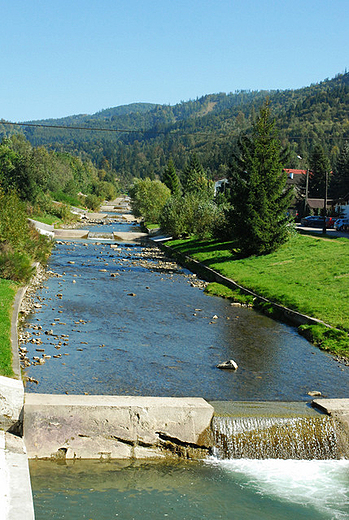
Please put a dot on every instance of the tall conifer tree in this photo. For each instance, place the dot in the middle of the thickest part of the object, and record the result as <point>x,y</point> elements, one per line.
<point>259,196</point>
<point>195,180</point>
<point>319,167</point>
<point>171,179</point>
<point>340,181</point>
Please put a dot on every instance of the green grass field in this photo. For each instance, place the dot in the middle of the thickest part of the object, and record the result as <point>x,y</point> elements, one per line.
<point>308,274</point>
<point>46,219</point>
<point>7,294</point>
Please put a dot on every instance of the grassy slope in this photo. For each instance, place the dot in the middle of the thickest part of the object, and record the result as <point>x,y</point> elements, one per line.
<point>7,293</point>
<point>308,274</point>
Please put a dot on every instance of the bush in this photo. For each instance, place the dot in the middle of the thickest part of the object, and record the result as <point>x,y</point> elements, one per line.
<point>20,243</point>
<point>148,199</point>
<point>93,202</point>
<point>15,265</point>
<point>190,215</point>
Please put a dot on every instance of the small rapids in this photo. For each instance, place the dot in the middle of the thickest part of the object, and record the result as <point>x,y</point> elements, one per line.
<point>275,438</point>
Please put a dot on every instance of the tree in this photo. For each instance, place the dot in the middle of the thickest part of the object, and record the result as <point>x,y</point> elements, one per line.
<point>195,179</point>
<point>171,179</point>
<point>319,167</point>
<point>148,199</point>
<point>259,197</point>
<point>340,181</point>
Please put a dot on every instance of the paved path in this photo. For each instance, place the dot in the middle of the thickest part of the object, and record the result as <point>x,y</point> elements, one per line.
<point>15,487</point>
<point>329,232</point>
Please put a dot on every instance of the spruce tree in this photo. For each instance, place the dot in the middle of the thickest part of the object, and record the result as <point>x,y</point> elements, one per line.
<point>319,167</point>
<point>171,179</point>
<point>340,180</point>
<point>195,180</point>
<point>259,196</point>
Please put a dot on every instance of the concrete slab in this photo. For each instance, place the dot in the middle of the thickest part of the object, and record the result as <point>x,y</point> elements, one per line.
<point>4,480</point>
<point>44,229</point>
<point>20,498</point>
<point>71,233</point>
<point>79,426</point>
<point>94,216</point>
<point>332,406</point>
<point>16,499</point>
<point>129,237</point>
<point>129,217</point>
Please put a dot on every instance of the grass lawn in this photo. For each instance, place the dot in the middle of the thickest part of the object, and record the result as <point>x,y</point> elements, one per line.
<point>308,274</point>
<point>8,291</point>
<point>46,219</point>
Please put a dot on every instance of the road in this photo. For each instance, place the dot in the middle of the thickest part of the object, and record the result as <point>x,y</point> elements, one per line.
<point>330,232</point>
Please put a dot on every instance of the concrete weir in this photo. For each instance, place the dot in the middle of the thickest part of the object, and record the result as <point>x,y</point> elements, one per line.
<point>115,427</point>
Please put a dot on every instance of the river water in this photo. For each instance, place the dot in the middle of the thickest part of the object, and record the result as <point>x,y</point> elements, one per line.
<point>231,489</point>
<point>124,322</point>
<point>124,327</point>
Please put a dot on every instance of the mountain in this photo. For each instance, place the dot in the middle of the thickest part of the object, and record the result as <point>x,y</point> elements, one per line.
<point>143,136</point>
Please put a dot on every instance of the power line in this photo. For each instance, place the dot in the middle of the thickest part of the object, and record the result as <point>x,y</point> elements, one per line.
<point>40,125</point>
<point>152,131</point>
<point>115,130</point>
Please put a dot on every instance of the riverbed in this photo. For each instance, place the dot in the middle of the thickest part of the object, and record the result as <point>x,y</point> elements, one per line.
<point>122,319</point>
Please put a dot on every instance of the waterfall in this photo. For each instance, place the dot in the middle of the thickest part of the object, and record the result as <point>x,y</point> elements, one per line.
<point>268,437</point>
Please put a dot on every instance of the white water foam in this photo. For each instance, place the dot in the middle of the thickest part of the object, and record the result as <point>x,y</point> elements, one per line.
<point>323,484</point>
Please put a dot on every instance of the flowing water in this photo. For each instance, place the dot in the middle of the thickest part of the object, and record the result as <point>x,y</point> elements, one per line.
<point>240,489</point>
<point>273,430</point>
<point>121,321</point>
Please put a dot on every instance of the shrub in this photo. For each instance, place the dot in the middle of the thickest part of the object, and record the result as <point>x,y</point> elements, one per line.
<point>189,215</point>
<point>20,243</point>
<point>15,265</point>
<point>93,202</point>
<point>148,199</point>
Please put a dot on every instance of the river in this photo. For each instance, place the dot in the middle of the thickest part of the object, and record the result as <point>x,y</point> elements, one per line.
<point>124,321</point>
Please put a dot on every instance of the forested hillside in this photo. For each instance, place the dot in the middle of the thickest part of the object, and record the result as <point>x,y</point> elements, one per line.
<point>144,136</point>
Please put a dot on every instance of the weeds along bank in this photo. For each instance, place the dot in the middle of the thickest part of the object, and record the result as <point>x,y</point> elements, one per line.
<point>21,246</point>
<point>307,275</point>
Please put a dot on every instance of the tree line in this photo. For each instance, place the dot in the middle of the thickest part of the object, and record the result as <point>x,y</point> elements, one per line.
<point>209,126</point>
<point>39,183</point>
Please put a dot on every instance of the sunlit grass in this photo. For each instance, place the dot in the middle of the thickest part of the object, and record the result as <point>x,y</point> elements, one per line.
<point>307,274</point>
<point>7,294</point>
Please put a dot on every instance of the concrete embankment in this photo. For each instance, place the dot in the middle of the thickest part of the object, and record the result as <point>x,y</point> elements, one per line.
<point>115,427</point>
<point>15,489</point>
<point>208,274</point>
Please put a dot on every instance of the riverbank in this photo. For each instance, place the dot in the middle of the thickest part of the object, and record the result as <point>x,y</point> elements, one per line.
<point>306,275</point>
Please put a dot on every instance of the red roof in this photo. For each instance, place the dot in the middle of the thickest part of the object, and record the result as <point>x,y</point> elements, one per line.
<point>295,172</point>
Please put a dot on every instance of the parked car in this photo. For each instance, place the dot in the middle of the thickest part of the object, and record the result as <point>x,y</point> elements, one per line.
<point>318,222</point>
<point>342,224</point>
<point>312,221</point>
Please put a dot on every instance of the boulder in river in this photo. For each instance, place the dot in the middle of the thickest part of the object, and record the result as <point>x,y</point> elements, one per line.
<point>230,365</point>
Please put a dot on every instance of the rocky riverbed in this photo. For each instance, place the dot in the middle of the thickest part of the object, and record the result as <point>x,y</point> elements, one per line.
<point>150,258</point>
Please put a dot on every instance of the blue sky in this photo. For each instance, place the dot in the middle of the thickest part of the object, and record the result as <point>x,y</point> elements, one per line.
<point>79,56</point>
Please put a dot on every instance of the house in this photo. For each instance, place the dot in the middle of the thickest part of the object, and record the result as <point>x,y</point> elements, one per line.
<point>342,206</point>
<point>220,186</point>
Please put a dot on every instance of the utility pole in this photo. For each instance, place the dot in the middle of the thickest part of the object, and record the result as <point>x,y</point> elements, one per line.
<point>325,204</point>
<point>306,190</point>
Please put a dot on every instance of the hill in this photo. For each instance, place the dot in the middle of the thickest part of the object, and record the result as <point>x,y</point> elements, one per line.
<point>142,136</point>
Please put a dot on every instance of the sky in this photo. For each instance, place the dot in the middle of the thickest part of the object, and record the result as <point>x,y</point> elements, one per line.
<point>65,57</point>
